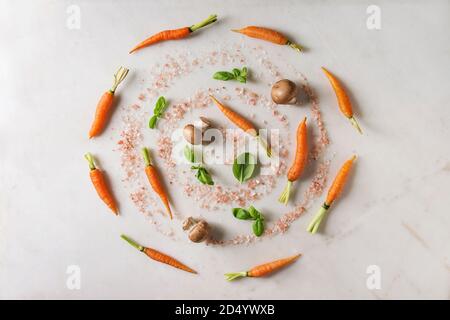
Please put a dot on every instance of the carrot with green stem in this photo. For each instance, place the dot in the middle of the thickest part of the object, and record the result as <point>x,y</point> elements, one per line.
<point>333,193</point>
<point>100,185</point>
<point>268,35</point>
<point>175,34</point>
<point>242,123</point>
<point>263,269</point>
<point>301,157</point>
<point>158,256</point>
<point>155,181</point>
<point>105,104</point>
<point>344,102</point>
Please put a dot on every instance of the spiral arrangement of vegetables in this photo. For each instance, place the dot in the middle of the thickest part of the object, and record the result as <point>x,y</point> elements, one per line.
<point>283,92</point>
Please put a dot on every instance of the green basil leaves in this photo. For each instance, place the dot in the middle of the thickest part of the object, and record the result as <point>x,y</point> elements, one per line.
<point>258,227</point>
<point>244,166</point>
<point>160,107</point>
<point>251,214</point>
<point>202,174</point>
<point>236,74</point>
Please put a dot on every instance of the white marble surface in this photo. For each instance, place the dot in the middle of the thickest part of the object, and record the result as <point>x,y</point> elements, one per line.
<point>395,214</point>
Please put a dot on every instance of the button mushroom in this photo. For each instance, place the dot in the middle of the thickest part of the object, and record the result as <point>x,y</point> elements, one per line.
<point>199,230</point>
<point>284,92</point>
<point>192,134</point>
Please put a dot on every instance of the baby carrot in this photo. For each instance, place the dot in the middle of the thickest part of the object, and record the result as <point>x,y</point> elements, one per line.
<point>174,34</point>
<point>333,193</point>
<point>268,35</point>
<point>301,157</point>
<point>343,100</point>
<point>242,123</point>
<point>155,181</point>
<point>158,256</point>
<point>98,180</point>
<point>263,269</point>
<point>105,104</point>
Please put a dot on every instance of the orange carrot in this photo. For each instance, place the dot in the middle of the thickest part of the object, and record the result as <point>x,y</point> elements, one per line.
<point>174,34</point>
<point>158,256</point>
<point>333,193</point>
<point>263,269</point>
<point>155,181</point>
<point>104,106</point>
<point>344,102</point>
<point>301,157</point>
<point>241,122</point>
<point>100,185</point>
<point>268,35</point>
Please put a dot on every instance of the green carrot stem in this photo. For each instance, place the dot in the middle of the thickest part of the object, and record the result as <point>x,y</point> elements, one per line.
<point>132,242</point>
<point>211,19</point>
<point>355,124</point>
<point>295,46</point>
<point>119,76</point>
<point>147,158</point>
<point>284,198</point>
<point>320,215</point>
<point>236,275</point>
<point>265,146</point>
<point>90,159</point>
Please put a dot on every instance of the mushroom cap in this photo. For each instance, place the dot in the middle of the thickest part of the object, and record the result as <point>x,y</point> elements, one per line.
<point>284,92</point>
<point>199,232</point>
<point>192,134</point>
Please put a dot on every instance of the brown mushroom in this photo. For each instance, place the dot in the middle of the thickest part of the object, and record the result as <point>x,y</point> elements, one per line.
<point>205,124</point>
<point>188,223</point>
<point>199,230</point>
<point>284,92</point>
<point>192,134</point>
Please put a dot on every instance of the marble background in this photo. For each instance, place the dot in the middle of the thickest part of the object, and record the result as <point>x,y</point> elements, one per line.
<point>396,211</point>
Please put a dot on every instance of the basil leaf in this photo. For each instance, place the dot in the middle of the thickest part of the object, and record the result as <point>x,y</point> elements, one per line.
<point>223,75</point>
<point>255,214</point>
<point>189,154</point>
<point>160,106</point>
<point>152,122</point>
<point>236,72</point>
<point>244,166</point>
<point>241,79</point>
<point>258,227</point>
<point>244,72</point>
<point>204,177</point>
<point>240,213</point>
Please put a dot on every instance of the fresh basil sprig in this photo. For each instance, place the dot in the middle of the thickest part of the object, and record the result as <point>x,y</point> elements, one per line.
<point>258,227</point>
<point>251,214</point>
<point>202,174</point>
<point>160,107</point>
<point>243,167</point>
<point>240,213</point>
<point>236,74</point>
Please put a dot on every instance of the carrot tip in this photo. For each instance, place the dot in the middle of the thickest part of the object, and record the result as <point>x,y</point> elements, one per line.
<point>355,124</point>
<point>284,198</point>
<point>235,275</point>
<point>315,223</point>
